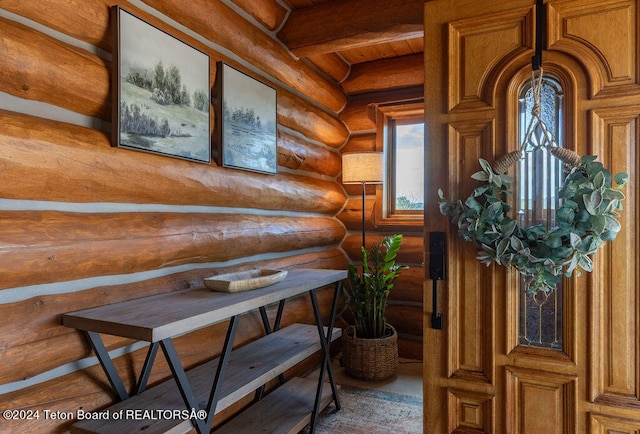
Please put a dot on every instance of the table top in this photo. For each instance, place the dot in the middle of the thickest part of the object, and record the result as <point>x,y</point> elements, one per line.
<point>171,314</point>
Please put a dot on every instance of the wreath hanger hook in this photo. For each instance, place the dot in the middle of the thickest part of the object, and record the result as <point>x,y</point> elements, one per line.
<point>536,60</point>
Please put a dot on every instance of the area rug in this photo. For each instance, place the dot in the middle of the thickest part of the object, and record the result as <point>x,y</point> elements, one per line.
<point>366,411</point>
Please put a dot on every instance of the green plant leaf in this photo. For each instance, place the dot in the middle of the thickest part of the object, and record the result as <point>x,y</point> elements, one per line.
<point>473,204</point>
<point>569,190</point>
<point>575,240</point>
<point>508,228</point>
<point>516,243</point>
<point>585,263</point>
<point>503,245</point>
<point>612,224</point>
<point>480,176</point>
<point>554,241</point>
<point>593,167</point>
<point>598,224</point>
<point>494,210</point>
<point>592,201</point>
<point>598,180</point>
<point>480,190</point>
<point>486,166</point>
<point>590,244</point>
<point>621,178</point>
<point>565,214</point>
<point>573,264</point>
<point>611,194</point>
<point>506,179</point>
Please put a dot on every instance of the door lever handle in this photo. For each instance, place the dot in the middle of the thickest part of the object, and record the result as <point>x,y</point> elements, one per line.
<point>436,318</point>
<point>436,272</point>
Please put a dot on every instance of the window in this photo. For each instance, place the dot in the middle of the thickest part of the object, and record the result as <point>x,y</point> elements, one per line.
<point>406,193</point>
<point>539,176</point>
<point>400,134</point>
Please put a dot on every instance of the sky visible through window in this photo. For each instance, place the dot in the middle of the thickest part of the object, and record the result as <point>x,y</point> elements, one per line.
<point>410,162</point>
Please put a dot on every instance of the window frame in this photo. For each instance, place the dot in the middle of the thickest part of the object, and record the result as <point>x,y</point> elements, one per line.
<point>386,115</point>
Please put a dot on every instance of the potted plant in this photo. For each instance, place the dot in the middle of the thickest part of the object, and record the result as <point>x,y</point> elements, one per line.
<point>370,347</point>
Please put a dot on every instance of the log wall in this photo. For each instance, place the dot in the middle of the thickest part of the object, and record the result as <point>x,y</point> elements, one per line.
<point>84,224</point>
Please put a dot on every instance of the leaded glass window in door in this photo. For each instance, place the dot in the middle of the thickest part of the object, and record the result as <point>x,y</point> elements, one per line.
<point>539,176</point>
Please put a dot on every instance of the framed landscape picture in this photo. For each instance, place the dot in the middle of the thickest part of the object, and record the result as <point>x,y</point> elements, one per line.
<point>247,124</point>
<point>161,90</point>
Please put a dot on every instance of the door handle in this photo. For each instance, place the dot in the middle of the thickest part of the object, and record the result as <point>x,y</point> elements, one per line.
<point>437,249</point>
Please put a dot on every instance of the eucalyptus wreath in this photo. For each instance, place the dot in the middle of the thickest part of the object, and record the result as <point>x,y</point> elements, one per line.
<point>585,220</point>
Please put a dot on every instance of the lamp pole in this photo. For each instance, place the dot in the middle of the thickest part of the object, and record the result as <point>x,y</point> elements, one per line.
<point>363,211</point>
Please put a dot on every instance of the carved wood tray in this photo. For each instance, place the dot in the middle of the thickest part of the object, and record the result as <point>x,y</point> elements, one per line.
<point>244,280</point>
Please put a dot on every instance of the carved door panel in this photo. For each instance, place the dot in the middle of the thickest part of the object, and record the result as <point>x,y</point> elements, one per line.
<point>479,376</point>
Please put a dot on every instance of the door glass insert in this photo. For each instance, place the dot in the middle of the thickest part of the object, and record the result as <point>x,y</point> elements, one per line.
<point>538,179</point>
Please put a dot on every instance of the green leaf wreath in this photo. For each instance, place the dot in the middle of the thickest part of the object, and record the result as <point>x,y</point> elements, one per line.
<point>585,219</point>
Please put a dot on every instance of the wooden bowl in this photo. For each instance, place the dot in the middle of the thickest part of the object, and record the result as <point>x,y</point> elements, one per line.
<point>244,280</point>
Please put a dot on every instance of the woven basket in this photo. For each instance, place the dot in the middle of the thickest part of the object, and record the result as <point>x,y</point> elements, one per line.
<point>369,359</point>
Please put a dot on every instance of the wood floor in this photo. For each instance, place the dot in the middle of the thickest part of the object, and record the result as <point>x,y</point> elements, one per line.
<point>406,381</point>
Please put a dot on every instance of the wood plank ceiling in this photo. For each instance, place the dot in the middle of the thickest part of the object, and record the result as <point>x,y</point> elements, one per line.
<point>349,39</point>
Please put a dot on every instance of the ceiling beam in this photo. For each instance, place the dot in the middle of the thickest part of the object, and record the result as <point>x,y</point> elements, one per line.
<point>378,75</point>
<point>343,24</point>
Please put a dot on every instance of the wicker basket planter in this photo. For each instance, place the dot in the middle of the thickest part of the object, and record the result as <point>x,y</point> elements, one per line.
<point>369,359</point>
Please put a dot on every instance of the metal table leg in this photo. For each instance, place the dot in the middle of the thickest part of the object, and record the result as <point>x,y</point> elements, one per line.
<point>265,319</point>
<point>112,374</point>
<point>107,365</point>
<point>179,374</point>
<point>325,341</point>
<point>222,368</point>
<point>268,330</point>
<point>183,383</point>
<point>146,368</point>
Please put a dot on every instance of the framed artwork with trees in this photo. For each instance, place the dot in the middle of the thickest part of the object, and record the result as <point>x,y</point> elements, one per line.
<point>246,124</point>
<point>161,89</point>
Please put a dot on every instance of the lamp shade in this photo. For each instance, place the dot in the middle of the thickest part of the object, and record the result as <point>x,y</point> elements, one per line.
<point>362,167</point>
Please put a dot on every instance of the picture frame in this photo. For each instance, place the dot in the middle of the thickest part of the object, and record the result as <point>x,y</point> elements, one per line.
<point>246,122</point>
<point>162,91</point>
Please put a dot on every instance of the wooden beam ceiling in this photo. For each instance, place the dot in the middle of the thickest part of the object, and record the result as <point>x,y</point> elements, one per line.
<point>385,74</point>
<point>343,24</point>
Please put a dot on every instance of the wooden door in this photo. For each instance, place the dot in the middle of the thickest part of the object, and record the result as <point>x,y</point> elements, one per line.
<point>478,377</point>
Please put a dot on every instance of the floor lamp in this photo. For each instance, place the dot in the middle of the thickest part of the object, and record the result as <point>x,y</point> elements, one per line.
<point>363,168</point>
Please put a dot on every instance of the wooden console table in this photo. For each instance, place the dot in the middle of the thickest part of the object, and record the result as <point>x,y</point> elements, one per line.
<point>193,399</point>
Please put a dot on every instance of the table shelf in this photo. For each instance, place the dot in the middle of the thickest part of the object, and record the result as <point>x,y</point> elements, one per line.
<point>287,410</point>
<point>250,367</point>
